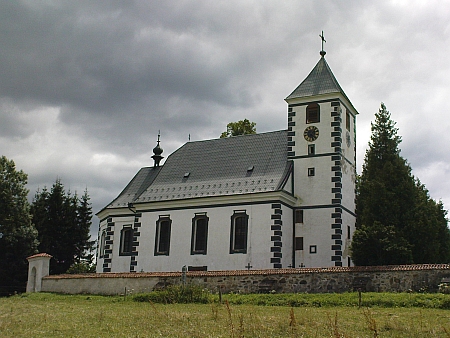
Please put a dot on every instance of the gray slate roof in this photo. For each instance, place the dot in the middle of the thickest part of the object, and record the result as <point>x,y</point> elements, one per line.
<point>213,168</point>
<point>320,81</point>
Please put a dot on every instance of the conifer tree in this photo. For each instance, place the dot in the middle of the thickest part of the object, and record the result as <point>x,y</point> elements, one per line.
<point>85,247</point>
<point>63,221</point>
<point>428,234</point>
<point>18,236</point>
<point>397,221</point>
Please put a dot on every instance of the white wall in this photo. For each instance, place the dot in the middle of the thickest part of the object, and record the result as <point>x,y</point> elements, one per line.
<point>218,255</point>
<point>317,191</point>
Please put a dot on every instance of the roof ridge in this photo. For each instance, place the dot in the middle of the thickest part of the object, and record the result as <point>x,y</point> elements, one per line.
<point>244,135</point>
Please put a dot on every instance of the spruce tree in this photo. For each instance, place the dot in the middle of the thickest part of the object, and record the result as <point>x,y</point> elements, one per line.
<point>63,221</point>
<point>18,236</point>
<point>386,187</point>
<point>397,221</point>
<point>85,247</point>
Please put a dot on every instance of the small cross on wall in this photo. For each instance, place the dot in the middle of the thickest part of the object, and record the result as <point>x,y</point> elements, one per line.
<point>248,266</point>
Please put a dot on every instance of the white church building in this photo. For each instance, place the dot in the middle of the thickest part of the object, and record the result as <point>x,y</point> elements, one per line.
<point>271,200</point>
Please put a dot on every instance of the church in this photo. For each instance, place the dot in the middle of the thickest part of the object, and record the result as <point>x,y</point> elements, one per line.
<point>281,199</point>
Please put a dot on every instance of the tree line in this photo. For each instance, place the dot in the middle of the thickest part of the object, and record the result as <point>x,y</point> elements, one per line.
<point>397,220</point>
<point>56,222</point>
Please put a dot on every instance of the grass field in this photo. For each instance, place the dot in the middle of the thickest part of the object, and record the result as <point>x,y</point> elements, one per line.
<point>49,315</point>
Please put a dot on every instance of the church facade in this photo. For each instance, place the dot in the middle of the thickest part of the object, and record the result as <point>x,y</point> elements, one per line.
<point>272,200</point>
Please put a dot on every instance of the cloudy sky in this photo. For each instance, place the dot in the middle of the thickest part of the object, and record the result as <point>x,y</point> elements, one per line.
<point>86,85</point>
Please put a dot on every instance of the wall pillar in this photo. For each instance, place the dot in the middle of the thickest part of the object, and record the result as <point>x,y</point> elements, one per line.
<point>38,267</point>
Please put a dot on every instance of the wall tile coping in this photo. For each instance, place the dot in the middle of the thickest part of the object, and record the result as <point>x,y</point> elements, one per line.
<point>230,273</point>
<point>39,255</point>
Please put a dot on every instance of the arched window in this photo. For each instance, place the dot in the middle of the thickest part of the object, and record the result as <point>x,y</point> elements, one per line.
<point>199,234</point>
<point>313,113</point>
<point>126,240</point>
<point>162,240</point>
<point>239,232</point>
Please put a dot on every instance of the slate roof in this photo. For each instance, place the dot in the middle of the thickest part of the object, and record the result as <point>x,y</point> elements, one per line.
<point>215,167</point>
<point>321,80</point>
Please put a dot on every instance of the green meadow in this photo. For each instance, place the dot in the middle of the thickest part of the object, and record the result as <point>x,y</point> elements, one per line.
<point>272,315</point>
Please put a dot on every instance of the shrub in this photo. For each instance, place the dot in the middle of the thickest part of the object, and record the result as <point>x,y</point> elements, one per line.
<point>176,294</point>
<point>82,267</point>
<point>444,288</point>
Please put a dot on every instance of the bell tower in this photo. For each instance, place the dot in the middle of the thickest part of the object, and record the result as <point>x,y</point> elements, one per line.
<point>322,147</point>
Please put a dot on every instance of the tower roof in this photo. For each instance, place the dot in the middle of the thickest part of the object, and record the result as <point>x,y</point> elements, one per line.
<point>321,80</point>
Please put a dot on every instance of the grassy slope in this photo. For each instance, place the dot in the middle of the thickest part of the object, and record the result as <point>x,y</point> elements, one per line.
<point>48,315</point>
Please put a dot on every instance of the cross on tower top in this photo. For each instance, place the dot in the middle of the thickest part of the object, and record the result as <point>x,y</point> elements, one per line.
<point>322,52</point>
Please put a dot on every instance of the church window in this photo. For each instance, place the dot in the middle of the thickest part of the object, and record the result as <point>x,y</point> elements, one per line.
<point>298,243</point>
<point>313,113</point>
<point>347,120</point>
<point>348,232</point>
<point>239,232</point>
<point>311,172</point>
<point>126,240</point>
<point>311,149</point>
<point>162,240</point>
<point>313,249</point>
<point>102,244</point>
<point>299,216</point>
<point>199,234</point>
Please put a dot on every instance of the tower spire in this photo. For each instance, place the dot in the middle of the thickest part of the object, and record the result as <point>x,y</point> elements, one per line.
<point>322,52</point>
<point>157,151</point>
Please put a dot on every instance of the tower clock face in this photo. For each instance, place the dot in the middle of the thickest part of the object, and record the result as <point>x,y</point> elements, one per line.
<point>311,133</point>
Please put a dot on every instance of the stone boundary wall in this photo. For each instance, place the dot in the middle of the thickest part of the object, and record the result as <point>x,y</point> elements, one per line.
<point>401,278</point>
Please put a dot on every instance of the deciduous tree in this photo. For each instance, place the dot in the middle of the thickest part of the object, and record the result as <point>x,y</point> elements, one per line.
<point>241,127</point>
<point>18,236</point>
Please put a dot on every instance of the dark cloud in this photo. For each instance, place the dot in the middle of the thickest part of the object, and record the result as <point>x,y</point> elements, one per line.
<point>86,85</point>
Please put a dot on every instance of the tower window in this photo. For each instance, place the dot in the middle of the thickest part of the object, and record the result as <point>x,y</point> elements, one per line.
<point>102,244</point>
<point>313,113</point>
<point>126,240</point>
<point>199,234</point>
<point>162,239</point>
<point>311,149</point>
<point>299,216</point>
<point>347,120</point>
<point>313,249</point>
<point>311,172</point>
<point>298,243</point>
<point>239,232</point>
